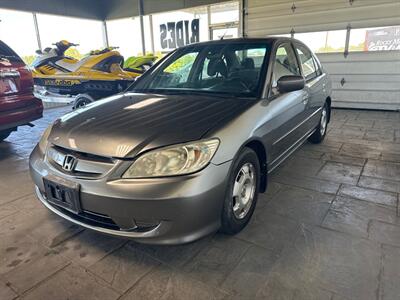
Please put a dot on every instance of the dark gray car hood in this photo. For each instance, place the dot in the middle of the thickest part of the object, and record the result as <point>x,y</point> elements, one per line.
<point>124,125</point>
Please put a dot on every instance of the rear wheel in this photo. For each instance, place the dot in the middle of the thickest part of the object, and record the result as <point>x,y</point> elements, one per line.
<point>4,134</point>
<point>82,101</point>
<point>320,132</point>
<point>242,192</point>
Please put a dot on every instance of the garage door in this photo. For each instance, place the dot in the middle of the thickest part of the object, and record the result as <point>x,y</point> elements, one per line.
<point>361,79</point>
<point>368,80</point>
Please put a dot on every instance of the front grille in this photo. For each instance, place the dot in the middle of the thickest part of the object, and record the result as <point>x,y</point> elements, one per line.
<point>100,220</point>
<point>84,155</point>
<point>90,218</point>
<point>86,165</point>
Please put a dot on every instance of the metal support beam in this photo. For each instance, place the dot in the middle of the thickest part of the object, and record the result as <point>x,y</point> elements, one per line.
<point>151,34</point>
<point>209,22</point>
<point>240,18</point>
<point>243,17</point>
<point>105,34</point>
<point>35,22</point>
<point>347,45</point>
<point>141,13</point>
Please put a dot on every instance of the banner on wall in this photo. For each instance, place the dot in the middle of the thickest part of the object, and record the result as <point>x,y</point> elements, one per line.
<point>382,39</point>
<point>178,34</point>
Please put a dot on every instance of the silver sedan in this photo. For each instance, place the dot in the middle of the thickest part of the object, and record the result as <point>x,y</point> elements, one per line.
<point>186,150</point>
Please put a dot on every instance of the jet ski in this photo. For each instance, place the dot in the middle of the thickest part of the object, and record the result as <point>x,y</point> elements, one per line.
<point>97,75</point>
<point>139,64</point>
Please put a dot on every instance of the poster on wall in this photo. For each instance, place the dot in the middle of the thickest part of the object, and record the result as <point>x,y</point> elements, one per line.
<point>382,39</point>
<point>180,33</point>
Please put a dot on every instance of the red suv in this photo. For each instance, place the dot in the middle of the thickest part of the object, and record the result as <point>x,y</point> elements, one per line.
<point>18,106</point>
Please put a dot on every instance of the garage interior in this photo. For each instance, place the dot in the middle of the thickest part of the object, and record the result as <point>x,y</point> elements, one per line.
<point>327,228</point>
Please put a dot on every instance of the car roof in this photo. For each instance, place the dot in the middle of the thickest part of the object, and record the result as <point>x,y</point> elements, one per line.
<point>269,40</point>
<point>233,41</point>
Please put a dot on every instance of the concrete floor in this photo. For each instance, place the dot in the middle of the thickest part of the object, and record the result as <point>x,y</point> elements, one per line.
<point>328,228</point>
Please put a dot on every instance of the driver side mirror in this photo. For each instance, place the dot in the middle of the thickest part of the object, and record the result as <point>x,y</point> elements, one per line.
<point>290,83</point>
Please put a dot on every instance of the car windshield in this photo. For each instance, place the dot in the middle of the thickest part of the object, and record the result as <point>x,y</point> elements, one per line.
<point>220,69</point>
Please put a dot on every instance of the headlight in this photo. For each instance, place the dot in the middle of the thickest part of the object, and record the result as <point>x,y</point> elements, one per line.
<point>174,160</point>
<point>44,138</point>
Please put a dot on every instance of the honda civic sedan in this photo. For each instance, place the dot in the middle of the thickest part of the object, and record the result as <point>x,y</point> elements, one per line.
<point>186,150</point>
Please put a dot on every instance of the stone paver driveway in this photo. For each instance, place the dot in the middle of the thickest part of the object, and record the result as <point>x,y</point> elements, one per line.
<point>328,228</point>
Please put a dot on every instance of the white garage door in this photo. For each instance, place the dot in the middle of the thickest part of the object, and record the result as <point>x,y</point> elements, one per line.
<point>280,16</point>
<point>363,79</point>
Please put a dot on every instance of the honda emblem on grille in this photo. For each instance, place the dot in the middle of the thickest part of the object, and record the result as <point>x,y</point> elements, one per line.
<point>69,163</point>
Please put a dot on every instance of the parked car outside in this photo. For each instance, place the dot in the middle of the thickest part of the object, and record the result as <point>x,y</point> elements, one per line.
<point>18,106</point>
<point>186,150</point>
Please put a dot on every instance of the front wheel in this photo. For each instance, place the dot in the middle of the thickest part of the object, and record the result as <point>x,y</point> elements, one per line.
<point>242,192</point>
<point>320,132</point>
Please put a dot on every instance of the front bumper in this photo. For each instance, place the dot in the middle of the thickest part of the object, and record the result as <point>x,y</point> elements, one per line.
<point>171,210</point>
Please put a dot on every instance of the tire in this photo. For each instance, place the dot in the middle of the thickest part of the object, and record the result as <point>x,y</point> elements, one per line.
<point>320,131</point>
<point>4,135</point>
<point>236,214</point>
<point>82,101</point>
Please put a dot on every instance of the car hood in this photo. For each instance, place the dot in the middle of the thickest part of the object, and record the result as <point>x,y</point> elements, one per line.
<point>124,125</point>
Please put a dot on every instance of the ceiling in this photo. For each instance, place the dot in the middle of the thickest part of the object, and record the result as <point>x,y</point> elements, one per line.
<point>101,9</point>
